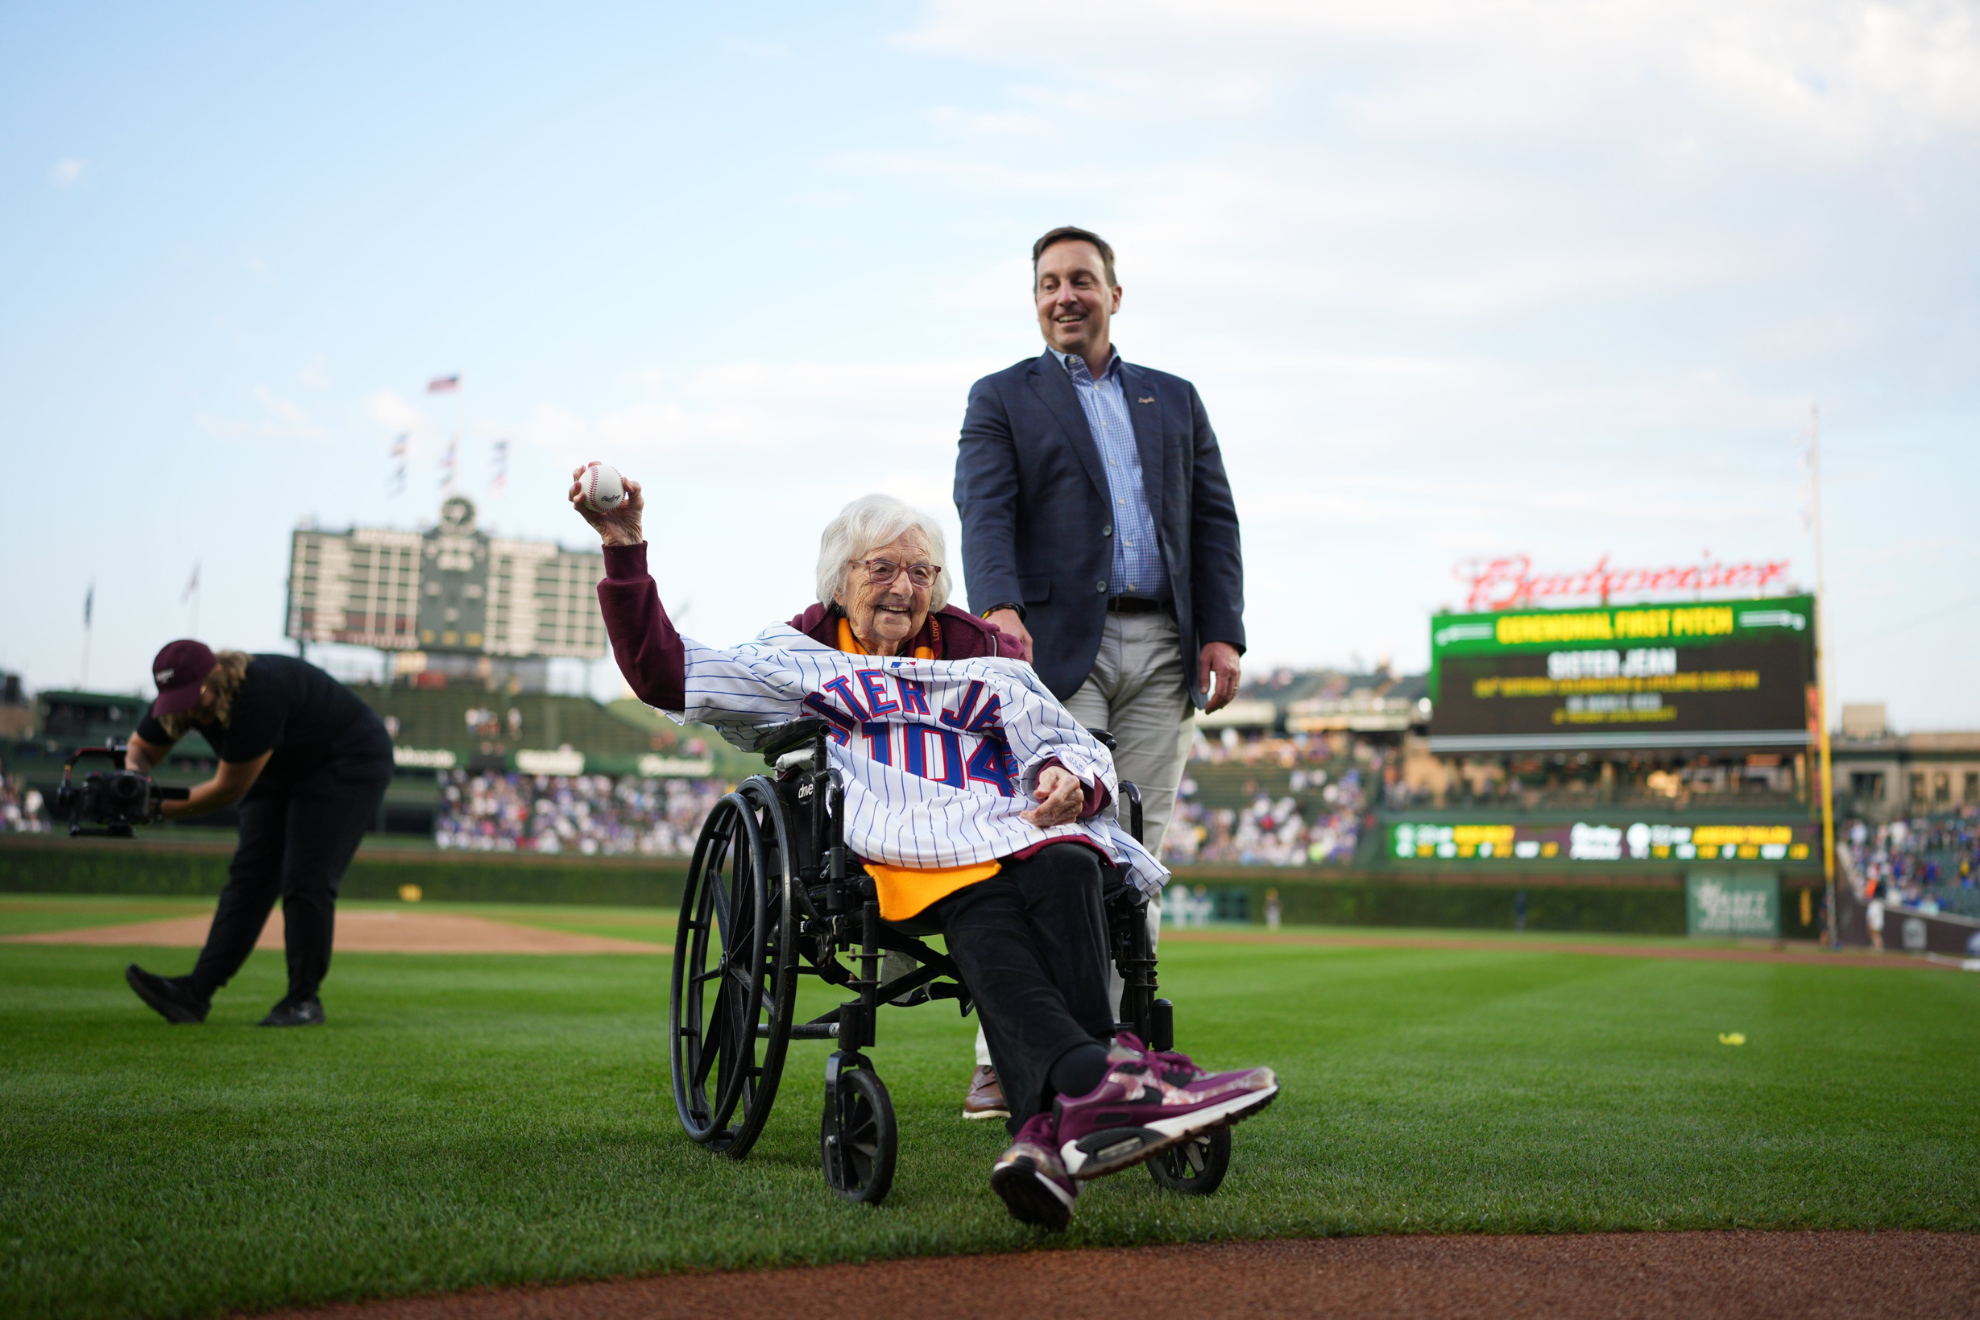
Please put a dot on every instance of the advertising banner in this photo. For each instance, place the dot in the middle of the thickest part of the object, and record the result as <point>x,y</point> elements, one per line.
<point>1603,841</point>
<point>1726,903</point>
<point>1719,674</point>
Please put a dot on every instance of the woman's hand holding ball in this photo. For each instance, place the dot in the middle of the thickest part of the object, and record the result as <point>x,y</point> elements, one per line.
<point>612,504</point>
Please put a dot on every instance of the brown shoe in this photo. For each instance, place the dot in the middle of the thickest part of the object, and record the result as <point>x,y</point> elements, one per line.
<point>985,1098</point>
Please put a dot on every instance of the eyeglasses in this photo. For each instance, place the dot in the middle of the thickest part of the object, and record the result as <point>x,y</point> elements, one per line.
<point>883,572</point>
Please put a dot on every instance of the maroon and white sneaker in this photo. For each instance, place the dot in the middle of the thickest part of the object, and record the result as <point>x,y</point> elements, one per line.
<point>1032,1179</point>
<point>1149,1101</point>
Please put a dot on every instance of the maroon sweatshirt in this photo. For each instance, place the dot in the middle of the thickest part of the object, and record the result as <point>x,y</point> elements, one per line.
<point>651,656</point>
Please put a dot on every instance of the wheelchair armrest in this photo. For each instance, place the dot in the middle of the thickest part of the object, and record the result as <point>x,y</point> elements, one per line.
<point>1125,907</point>
<point>790,737</point>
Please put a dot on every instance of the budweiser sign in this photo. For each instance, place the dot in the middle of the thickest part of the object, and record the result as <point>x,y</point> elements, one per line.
<point>1510,583</point>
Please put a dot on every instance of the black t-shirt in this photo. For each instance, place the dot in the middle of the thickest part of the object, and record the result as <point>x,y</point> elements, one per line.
<point>307,718</point>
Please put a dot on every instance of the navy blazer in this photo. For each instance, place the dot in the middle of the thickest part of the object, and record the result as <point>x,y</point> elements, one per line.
<point>1036,522</point>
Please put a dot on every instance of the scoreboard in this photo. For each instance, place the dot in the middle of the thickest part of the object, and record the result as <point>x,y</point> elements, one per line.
<point>454,588</point>
<point>1605,841</point>
<point>1712,674</point>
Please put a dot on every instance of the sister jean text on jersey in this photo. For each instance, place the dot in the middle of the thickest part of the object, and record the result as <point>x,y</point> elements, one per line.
<point>961,747</point>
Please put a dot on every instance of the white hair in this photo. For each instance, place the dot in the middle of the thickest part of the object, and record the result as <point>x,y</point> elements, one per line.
<point>865,525</point>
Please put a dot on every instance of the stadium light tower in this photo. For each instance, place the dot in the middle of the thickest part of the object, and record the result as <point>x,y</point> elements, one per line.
<point>1822,673</point>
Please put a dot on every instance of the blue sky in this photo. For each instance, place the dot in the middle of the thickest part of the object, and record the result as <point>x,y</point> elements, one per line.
<point>1454,279</point>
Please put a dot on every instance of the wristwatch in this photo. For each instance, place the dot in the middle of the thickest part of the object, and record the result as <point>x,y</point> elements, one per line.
<point>1008,605</point>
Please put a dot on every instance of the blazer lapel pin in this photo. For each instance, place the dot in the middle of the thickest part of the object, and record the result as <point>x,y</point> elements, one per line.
<point>1149,399</point>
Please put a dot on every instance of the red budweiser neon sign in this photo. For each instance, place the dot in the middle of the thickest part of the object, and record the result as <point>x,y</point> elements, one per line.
<point>1509,583</point>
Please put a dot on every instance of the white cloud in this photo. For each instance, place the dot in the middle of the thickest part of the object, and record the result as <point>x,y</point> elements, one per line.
<point>281,418</point>
<point>396,414</point>
<point>1825,79</point>
<point>68,173</point>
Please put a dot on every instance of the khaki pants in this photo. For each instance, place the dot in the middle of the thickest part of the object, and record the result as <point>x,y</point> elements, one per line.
<point>1137,691</point>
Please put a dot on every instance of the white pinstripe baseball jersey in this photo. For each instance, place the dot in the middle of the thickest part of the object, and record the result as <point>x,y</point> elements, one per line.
<point>938,756</point>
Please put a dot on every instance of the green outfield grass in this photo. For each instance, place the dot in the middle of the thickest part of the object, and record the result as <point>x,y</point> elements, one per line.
<point>490,1120</point>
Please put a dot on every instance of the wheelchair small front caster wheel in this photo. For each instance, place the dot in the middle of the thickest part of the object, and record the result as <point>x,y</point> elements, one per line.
<point>1195,1168</point>
<point>858,1140</point>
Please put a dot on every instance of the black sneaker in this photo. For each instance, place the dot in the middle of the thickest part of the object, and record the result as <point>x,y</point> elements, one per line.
<point>295,1013</point>
<point>170,995</point>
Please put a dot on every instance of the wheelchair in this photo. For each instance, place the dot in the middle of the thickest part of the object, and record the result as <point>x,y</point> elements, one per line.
<point>770,898</point>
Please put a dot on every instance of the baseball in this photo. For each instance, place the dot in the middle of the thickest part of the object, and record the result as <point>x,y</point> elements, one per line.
<point>604,488</point>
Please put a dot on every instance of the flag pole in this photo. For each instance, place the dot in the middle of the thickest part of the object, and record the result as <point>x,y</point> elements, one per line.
<point>89,608</point>
<point>1823,676</point>
<point>460,433</point>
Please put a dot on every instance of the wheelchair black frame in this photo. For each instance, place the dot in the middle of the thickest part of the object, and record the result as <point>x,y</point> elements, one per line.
<point>811,909</point>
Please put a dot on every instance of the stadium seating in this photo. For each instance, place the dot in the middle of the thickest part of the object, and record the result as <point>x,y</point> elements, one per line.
<point>437,718</point>
<point>1929,863</point>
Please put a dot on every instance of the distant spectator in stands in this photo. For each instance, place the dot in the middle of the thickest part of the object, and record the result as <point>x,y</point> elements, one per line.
<point>20,808</point>
<point>588,814</point>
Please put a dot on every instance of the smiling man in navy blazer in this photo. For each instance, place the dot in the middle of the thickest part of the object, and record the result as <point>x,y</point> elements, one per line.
<point>1098,526</point>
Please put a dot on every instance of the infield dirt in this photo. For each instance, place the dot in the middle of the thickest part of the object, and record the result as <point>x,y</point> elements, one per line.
<point>414,930</point>
<point>1702,1274</point>
<point>362,930</point>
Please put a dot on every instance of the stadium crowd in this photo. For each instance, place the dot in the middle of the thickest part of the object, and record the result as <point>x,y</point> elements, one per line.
<point>1929,864</point>
<point>1268,831</point>
<point>588,814</point>
<point>1318,820</point>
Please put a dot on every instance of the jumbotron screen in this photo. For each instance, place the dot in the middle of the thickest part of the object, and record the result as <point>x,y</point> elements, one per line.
<point>1709,674</point>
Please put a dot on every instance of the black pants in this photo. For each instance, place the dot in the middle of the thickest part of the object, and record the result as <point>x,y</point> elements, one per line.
<point>1032,945</point>
<point>297,839</point>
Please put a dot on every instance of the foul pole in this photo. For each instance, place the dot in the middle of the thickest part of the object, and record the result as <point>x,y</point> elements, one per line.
<point>1822,675</point>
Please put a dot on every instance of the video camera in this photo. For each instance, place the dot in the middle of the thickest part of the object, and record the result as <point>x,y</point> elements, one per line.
<point>116,800</point>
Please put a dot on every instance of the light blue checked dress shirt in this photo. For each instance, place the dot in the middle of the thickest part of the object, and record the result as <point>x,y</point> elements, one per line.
<point>1138,568</point>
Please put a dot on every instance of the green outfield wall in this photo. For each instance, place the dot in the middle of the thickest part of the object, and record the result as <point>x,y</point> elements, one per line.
<point>1651,903</point>
<point>55,864</point>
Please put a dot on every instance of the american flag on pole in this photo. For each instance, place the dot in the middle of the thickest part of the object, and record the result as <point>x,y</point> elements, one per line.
<point>501,466</point>
<point>444,384</point>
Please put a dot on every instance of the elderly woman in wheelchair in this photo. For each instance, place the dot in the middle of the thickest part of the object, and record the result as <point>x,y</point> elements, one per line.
<point>926,783</point>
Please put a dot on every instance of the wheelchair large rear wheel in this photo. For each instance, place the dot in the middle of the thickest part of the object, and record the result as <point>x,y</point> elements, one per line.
<point>734,979</point>
<point>1195,1168</point>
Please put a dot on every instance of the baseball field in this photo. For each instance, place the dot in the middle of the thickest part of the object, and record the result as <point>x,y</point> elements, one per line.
<point>472,1118</point>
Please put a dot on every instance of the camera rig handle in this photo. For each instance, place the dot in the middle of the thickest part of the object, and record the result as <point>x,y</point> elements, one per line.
<point>113,751</point>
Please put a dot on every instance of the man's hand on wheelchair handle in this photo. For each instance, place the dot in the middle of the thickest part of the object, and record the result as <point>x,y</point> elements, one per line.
<point>1059,797</point>
<point>1011,623</point>
<point>622,525</point>
<point>1218,660</point>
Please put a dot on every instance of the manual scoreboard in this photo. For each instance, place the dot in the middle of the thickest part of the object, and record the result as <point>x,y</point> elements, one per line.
<point>1709,674</point>
<point>454,588</point>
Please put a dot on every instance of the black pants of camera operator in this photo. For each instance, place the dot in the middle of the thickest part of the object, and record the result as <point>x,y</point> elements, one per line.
<point>1031,942</point>
<point>297,839</point>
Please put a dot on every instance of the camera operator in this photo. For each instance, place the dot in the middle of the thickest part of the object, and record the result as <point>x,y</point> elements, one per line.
<point>308,762</point>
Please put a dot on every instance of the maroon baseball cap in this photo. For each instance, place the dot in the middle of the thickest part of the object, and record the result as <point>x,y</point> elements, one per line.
<point>179,670</point>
